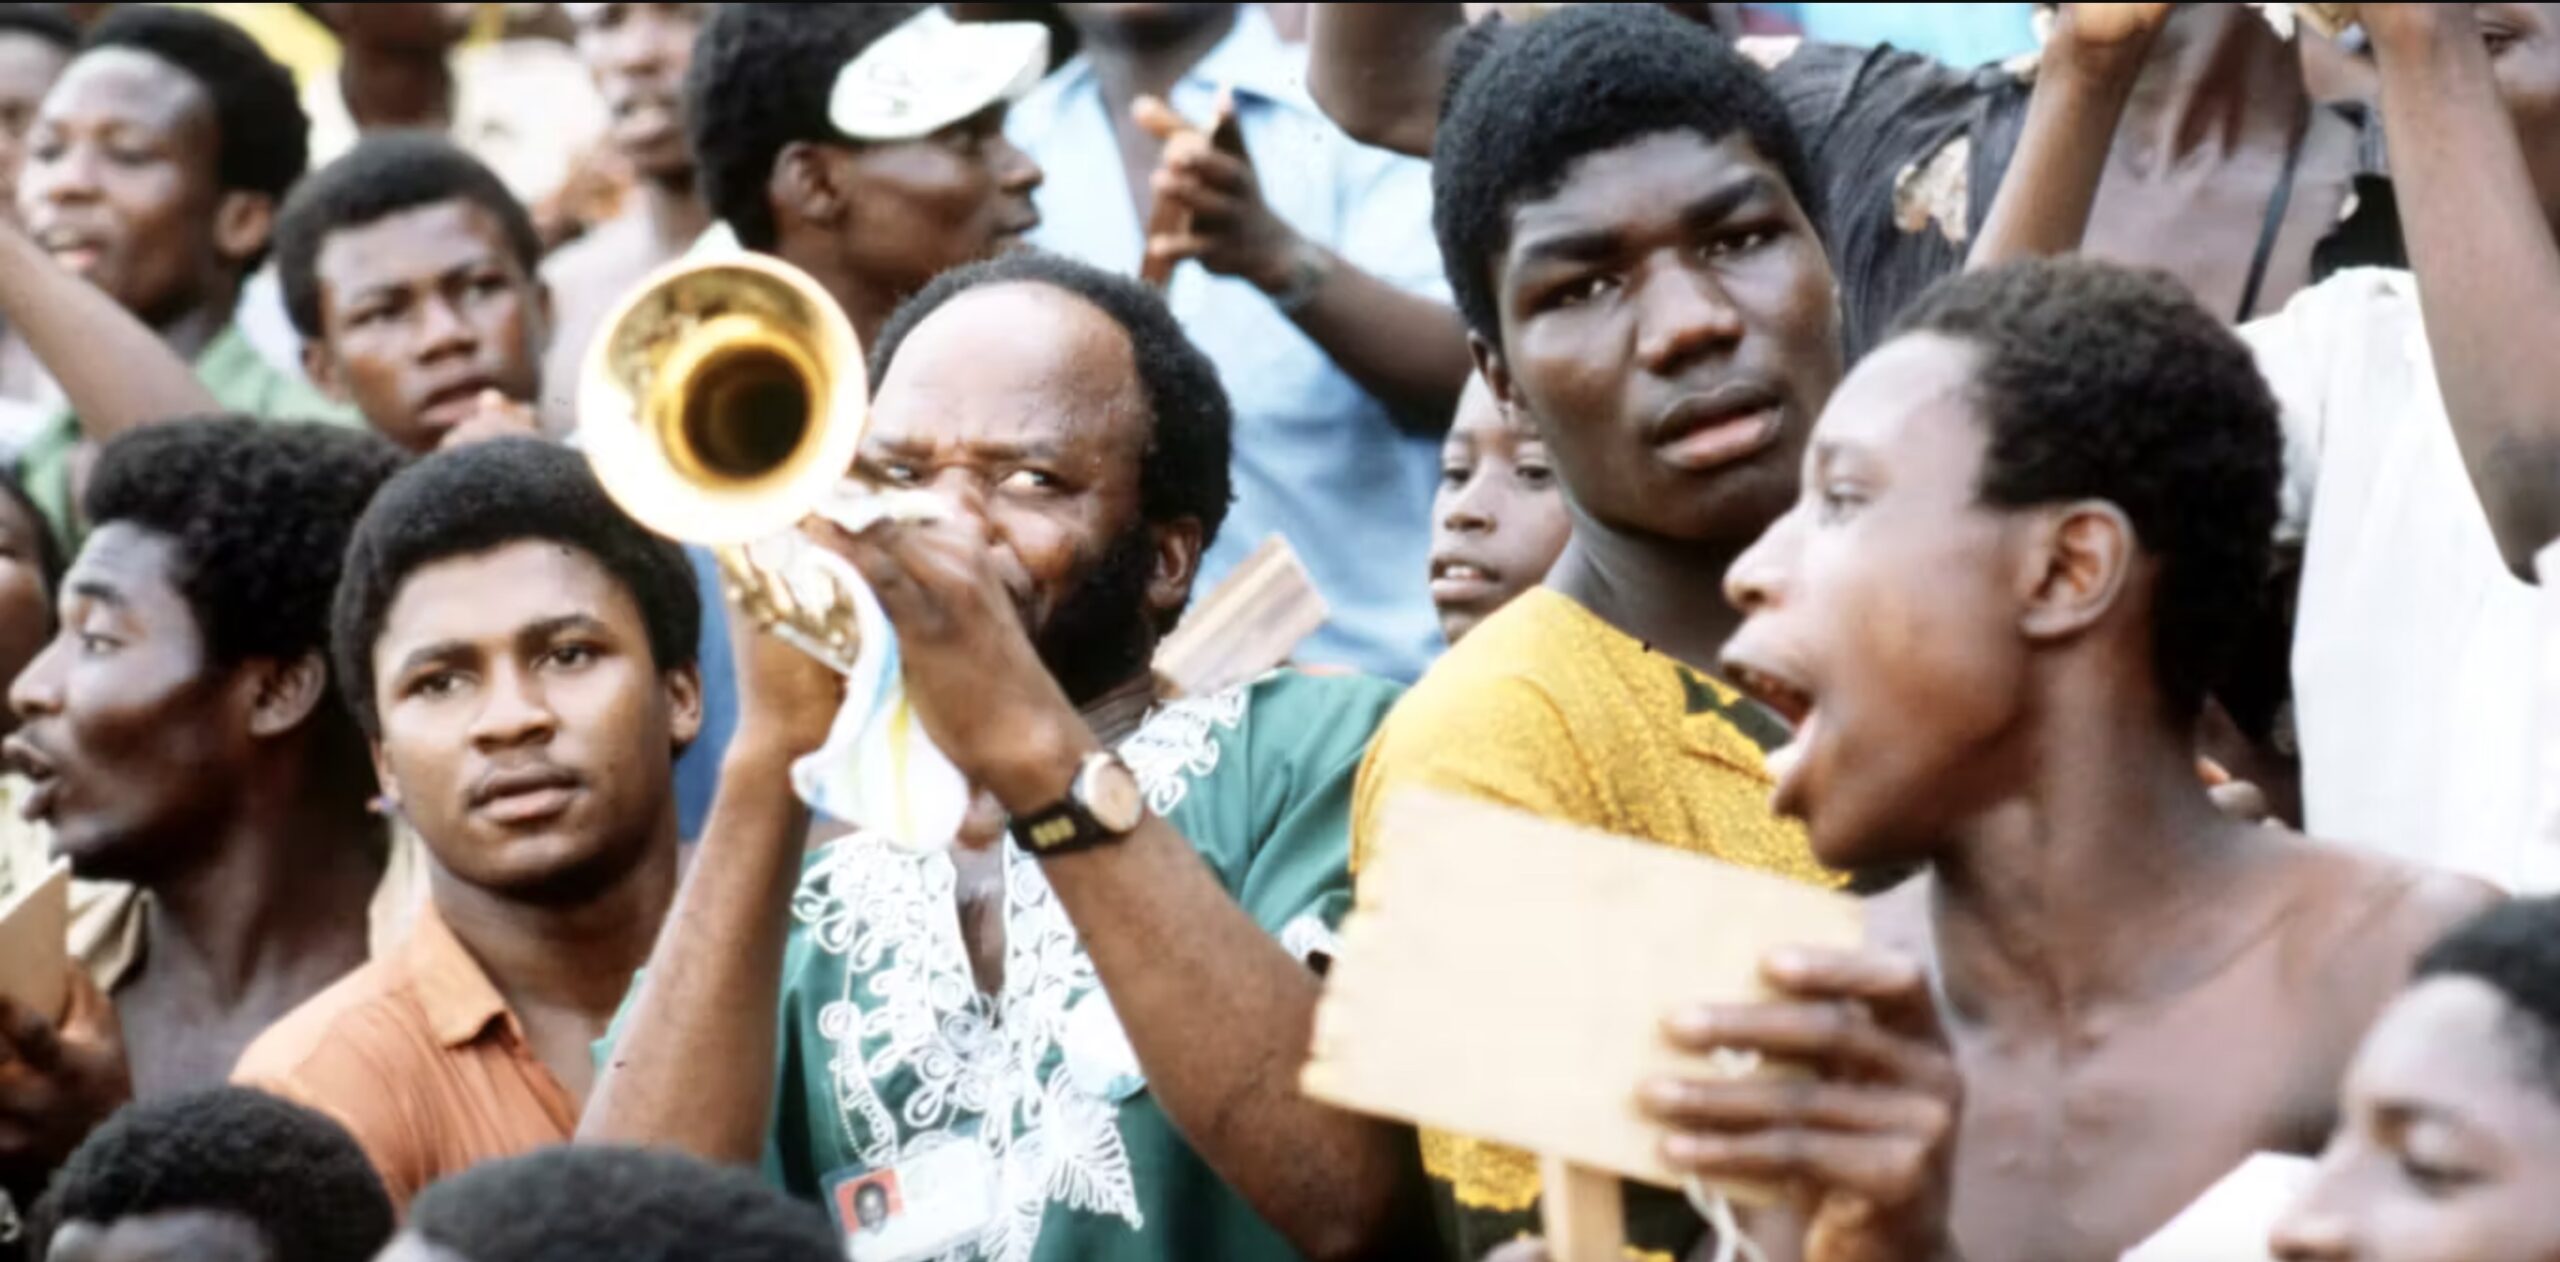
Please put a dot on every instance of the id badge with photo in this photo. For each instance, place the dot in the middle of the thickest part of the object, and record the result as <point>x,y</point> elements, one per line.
<point>933,1202</point>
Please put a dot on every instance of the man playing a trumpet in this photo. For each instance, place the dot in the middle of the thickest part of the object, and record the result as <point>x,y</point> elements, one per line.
<point>1079,1041</point>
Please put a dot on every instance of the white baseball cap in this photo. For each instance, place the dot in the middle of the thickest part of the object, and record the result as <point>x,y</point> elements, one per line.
<point>931,71</point>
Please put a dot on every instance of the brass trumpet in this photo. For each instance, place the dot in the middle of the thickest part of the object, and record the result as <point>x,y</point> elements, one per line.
<point>721,403</point>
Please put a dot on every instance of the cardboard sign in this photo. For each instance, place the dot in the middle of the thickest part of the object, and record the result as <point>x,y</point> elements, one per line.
<point>1507,977</point>
<point>1251,623</point>
<point>35,966</point>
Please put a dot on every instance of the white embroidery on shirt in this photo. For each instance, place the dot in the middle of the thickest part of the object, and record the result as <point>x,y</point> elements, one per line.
<point>911,1017</point>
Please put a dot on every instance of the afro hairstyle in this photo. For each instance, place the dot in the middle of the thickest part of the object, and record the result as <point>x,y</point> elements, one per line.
<point>473,499</point>
<point>382,176</point>
<point>260,512</point>
<point>760,79</point>
<point>263,137</point>
<point>2515,948</point>
<point>46,22</point>
<point>604,1204</point>
<point>2102,382</point>
<point>1527,101</point>
<point>293,1173</point>
<point>1185,470</point>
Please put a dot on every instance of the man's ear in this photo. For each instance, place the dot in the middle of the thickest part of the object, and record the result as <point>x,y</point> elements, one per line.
<point>243,223</point>
<point>809,184</point>
<point>1496,374</point>
<point>323,369</point>
<point>2077,567</point>
<point>1177,566</point>
<point>684,704</point>
<point>387,785</point>
<point>286,693</point>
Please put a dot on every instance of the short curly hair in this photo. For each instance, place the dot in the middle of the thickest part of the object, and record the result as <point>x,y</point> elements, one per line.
<point>2515,948</point>
<point>2104,382</point>
<point>1527,101</point>
<point>1185,472</point>
<point>760,79</point>
<point>260,511</point>
<point>290,1171</point>
<point>46,22</point>
<point>382,176</point>
<point>604,1204</point>
<point>485,496</point>
<point>261,133</point>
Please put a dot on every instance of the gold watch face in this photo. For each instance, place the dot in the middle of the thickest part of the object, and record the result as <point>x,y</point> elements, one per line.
<point>1111,796</point>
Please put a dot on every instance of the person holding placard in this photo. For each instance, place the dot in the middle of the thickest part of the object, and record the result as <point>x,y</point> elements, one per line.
<point>2031,523</point>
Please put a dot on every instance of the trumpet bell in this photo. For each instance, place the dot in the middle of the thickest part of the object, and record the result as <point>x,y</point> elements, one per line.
<point>723,399</point>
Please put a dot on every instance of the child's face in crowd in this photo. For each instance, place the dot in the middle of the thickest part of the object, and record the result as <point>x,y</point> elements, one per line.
<point>1668,315</point>
<point>1498,519</point>
<point>26,606</point>
<point>2448,1143</point>
<point>420,313</point>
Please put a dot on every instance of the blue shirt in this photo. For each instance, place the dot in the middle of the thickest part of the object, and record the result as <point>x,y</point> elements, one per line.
<point>698,771</point>
<point>1317,459</point>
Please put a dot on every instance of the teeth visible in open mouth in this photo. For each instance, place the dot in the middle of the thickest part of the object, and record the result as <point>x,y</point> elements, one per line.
<point>1792,703</point>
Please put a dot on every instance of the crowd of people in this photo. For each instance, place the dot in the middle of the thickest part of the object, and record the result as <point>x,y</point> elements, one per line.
<point>2091,507</point>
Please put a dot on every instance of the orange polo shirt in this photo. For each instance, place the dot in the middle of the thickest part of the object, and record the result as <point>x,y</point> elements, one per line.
<point>418,1057</point>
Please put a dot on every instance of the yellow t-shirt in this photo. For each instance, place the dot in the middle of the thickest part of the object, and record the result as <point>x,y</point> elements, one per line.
<point>1547,709</point>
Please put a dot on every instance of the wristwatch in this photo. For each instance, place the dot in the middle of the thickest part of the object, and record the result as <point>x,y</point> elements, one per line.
<point>1103,805</point>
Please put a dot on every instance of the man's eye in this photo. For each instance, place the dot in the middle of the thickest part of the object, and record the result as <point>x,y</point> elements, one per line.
<point>1031,480</point>
<point>572,656</point>
<point>1535,476</point>
<point>443,683</point>
<point>1839,502</point>
<point>95,645</point>
<point>1743,242</point>
<point>1455,474</point>
<point>1576,292</point>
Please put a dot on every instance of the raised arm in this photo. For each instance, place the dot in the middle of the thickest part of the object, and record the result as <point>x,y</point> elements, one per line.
<point>2086,74</point>
<point>1220,1016</point>
<point>2488,270</point>
<point>1377,70</point>
<point>114,370</point>
<point>694,1065</point>
<point>1406,349</point>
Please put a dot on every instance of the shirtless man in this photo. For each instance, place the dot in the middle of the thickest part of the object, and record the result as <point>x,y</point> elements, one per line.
<point>1993,635</point>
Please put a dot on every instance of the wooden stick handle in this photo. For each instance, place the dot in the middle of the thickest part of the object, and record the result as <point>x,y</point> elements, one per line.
<point>1586,1219</point>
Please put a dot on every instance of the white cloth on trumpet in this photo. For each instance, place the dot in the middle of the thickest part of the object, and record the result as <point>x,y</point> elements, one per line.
<point>878,770</point>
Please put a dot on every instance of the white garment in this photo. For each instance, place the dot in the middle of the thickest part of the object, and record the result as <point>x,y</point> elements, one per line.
<point>2414,655</point>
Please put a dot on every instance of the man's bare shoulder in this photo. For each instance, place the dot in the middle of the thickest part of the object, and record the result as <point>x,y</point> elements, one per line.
<point>2363,918</point>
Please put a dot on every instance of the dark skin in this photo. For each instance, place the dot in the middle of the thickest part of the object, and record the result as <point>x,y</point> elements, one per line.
<point>425,315</point>
<point>527,735</point>
<point>2471,103</point>
<point>2188,174</point>
<point>1974,689</point>
<point>1668,318</point>
<point>198,782</point>
<point>874,223</point>
<point>1404,349</point>
<point>132,253</point>
<point>395,73</point>
<point>638,54</point>
<point>1498,520</point>
<point>1219,1014</point>
<point>28,67</point>
<point>2447,1140</point>
<point>26,602</point>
